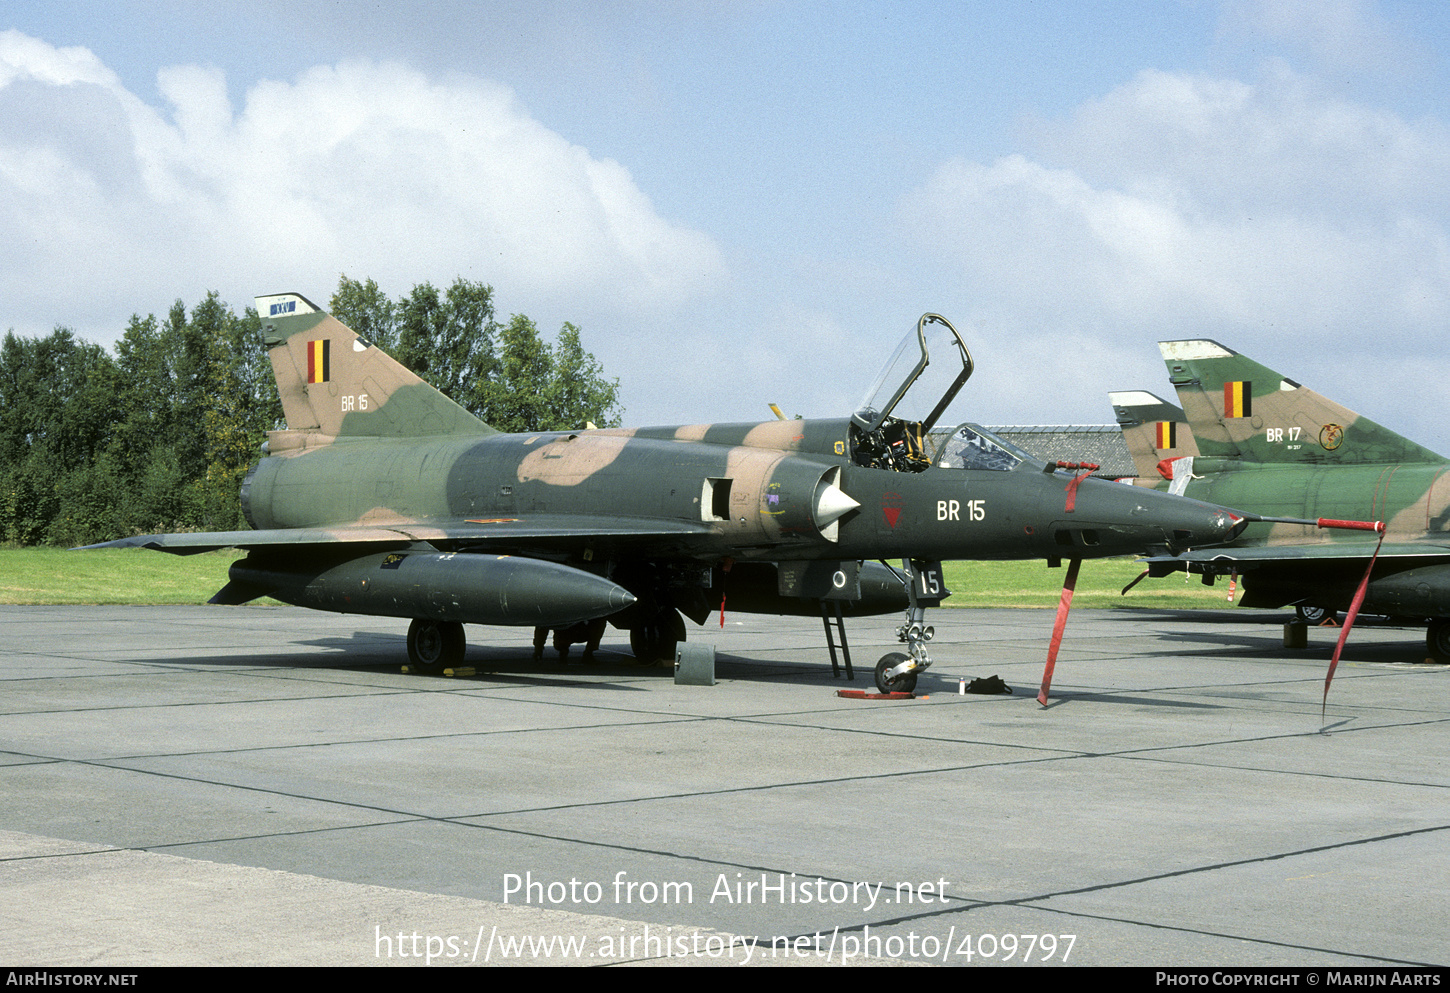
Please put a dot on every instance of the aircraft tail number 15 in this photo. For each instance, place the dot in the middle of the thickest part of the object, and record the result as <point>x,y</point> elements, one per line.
<point>930,583</point>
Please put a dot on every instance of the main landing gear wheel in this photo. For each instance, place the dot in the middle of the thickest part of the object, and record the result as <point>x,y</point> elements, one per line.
<point>435,645</point>
<point>901,684</point>
<point>657,638</point>
<point>1437,640</point>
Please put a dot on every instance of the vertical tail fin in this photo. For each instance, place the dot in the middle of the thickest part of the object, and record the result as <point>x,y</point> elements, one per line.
<point>1154,430</point>
<point>1239,409</point>
<point>336,384</point>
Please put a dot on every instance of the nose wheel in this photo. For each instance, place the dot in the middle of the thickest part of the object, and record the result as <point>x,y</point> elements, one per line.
<point>896,673</point>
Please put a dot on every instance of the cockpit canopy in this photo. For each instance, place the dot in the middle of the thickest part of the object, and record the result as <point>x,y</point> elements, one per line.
<point>972,446</point>
<point>923,376</point>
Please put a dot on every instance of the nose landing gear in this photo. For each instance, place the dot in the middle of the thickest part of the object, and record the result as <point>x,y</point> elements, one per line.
<point>896,672</point>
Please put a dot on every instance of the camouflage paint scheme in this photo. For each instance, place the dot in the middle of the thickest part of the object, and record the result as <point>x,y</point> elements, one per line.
<point>384,497</point>
<point>1144,419</point>
<point>1287,451</point>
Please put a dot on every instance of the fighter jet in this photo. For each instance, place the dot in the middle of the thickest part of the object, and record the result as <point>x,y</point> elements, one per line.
<point>1249,438</point>
<point>384,497</point>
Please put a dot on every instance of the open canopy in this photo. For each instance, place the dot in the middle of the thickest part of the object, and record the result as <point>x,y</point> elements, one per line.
<point>923,376</point>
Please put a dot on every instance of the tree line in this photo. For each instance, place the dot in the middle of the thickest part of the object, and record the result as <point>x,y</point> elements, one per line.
<point>157,435</point>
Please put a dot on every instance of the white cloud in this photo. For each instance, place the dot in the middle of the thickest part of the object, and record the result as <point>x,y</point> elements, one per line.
<point>1232,148</point>
<point>23,57</point>
<point>376,170</point>
<point>1178,204</point>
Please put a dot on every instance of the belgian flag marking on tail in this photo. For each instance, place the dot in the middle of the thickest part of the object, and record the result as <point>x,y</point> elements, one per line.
<point>1238,399</point>
<point>1167,435</point>
<point>318,360</point>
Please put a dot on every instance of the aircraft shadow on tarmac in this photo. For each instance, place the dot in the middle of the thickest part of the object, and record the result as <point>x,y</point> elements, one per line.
<point>1141,698</point>
<point>1250,618</point>
<point>1230,635</point>
<point>1210,634</point>
<point>613,667</point>
<point>616,669</point>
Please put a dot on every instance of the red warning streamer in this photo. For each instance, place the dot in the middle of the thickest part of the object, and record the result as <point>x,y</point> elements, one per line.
<point>1328,522</point>
<point>1354,604</point>
<point>724,568</point>
<point>1088,467</point>
<point>1069,583</point>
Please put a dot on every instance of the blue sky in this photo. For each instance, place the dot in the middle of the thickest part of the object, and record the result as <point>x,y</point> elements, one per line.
<point>750,202</point>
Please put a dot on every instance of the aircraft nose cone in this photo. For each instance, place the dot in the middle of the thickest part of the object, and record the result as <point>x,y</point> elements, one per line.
<point>1223,525</point>
<point>1205,524</point>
